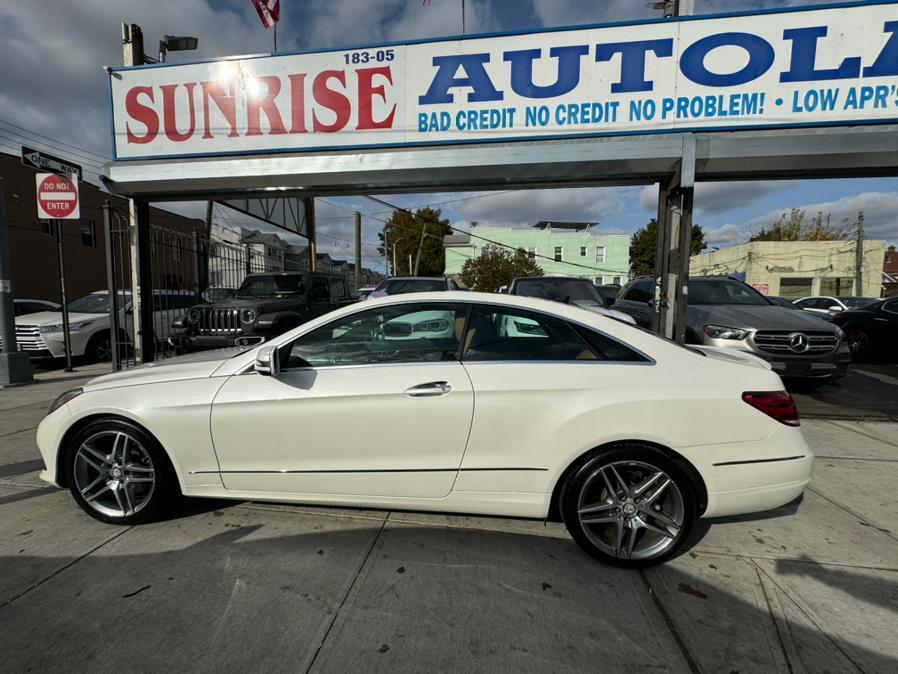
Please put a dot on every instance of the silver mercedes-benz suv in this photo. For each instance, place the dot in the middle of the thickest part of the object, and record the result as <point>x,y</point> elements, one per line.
<point>725,312</point>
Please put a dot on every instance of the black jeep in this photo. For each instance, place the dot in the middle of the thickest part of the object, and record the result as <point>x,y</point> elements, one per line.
<point>265,305</point>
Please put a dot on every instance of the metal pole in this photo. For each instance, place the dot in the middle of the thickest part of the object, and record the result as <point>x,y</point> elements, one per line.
<point>66,342</point>
<point>142,273</point>
<point>395,271</point>
<point>15,366</point>
<point>662,260</point>
<point>684,246</point>
<point>275,38</point>
<point>420,246</point>
<point>310,232</point>
<point>463,32</point>
<point>113,291</point>
<point>358,251</point>
<point>859,257</point>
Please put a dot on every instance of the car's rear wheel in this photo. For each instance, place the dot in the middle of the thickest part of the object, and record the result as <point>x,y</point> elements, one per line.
<point>629,506</point>
<point>99,348</point>
<point>118,473</point>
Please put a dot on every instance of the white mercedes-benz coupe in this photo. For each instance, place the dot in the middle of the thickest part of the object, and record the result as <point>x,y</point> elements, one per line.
<point>452,402</point>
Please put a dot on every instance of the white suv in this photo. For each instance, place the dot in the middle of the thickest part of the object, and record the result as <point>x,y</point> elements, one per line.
<point>40,334</point>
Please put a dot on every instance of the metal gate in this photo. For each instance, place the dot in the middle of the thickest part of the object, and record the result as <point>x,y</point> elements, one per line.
<point>187,268</point>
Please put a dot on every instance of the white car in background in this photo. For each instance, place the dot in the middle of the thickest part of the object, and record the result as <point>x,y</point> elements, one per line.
<point>40,335</point>
<point>625,436</point>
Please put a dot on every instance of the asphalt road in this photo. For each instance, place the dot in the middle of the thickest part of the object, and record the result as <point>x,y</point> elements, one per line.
<point>228,586</point>
<point>868,392</point>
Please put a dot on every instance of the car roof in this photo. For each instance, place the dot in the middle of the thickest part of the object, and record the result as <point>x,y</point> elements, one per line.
<point>416,278</point>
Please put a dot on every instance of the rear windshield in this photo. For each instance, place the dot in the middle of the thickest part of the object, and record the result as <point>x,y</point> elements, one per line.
<point>560,290</point>
<point>398,286</point>
<point>724,291</point>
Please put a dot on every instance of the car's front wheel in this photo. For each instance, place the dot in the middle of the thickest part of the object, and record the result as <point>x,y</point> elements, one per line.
<point>629,506</point>
<point>118,473</point>
<point>858,342</point>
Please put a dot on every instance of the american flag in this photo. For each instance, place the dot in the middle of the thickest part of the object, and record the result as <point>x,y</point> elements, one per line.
<point>269,11</point>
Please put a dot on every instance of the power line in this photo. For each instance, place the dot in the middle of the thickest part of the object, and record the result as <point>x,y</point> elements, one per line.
<point>24,130</point>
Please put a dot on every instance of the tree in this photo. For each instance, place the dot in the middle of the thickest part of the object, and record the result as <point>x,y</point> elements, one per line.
<point>403,230</point>
<point>644,241</point>
<point>792,227</point>
<point>496,267</point>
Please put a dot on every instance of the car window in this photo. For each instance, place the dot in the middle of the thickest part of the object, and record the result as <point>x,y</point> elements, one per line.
<point>891,307</point>
<point>724,291</point>
<point>561,290</point>
<point>608,348</point>
<point>498,333</point>
<point>408,333</point>
<point>399,286</point>
<point>639,291</point>
<point>809,303</point>
<point>338,289</point>
<point>320,291</point>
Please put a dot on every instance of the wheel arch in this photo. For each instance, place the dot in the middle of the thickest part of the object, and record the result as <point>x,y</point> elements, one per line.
<point>79,424</point>
<point>698,483</point>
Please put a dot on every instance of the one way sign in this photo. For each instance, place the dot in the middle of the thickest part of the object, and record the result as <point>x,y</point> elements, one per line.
<point>47,162</point>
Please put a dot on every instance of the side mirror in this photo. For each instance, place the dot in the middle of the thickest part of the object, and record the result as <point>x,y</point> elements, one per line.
<point>267,361</point>
<point>834,308</point>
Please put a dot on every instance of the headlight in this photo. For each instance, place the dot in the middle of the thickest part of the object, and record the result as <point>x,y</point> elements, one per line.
<point>722,332</point>
<point>194,315</point>
<point>840,333</point>
<point>64,398</point>
<point>440,325</point>
<point>58,328</point>
<point>247,315</point>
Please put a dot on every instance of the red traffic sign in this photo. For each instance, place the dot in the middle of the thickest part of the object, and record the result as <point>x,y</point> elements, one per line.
<point>57,197</point>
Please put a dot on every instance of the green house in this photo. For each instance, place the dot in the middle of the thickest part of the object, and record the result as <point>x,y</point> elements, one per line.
<point>559,248</point>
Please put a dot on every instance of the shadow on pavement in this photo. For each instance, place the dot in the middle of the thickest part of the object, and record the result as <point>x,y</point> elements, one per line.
<point>869,391</point>
<point>872,590</point>
<point>246,597</point>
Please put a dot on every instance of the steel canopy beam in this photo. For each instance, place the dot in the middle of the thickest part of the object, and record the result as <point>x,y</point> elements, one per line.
<point>742,155</point>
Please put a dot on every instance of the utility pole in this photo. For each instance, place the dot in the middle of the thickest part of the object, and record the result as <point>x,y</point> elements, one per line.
<point>859,257</point>
<point>358,251</point>
<point>15,365</point>
<point>420,246</point>
<point>395,271</point>
<point>310,232</point>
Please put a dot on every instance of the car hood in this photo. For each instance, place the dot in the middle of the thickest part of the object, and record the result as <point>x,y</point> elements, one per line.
<point>191,366</point>
<point>754,317</point>
<point>55,318</point>
<point>265,305</point>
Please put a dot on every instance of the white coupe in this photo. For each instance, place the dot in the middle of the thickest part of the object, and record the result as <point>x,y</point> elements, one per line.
<point>453,402</point>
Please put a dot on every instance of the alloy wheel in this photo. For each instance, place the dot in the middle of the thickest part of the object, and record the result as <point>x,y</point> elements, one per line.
<point>114,473</point>
<point>631,510</point>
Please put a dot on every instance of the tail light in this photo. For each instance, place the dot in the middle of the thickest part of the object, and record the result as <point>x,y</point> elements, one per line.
<point>776,404</point>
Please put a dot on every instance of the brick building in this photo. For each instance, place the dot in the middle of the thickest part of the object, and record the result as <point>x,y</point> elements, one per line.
<point>32,242</point>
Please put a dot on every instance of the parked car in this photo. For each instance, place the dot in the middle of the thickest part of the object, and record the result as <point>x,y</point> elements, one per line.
<point>41,334</point>
<point>727,313</point>
<point>580,292</point>
<point>609,292</point>
<point>828,306</point>
<point>265,305</point>
<point>871,329</point>
<point>782,302</point>
<point>626,436</point>
<point>25,307</point>
<point>363,293</point>
<point>398,285</point>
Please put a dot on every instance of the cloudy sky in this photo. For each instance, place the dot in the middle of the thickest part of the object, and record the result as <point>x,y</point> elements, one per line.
<point>53,96</point>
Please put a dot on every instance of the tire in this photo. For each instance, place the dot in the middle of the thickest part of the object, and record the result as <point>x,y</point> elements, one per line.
<point>858,342</point>
<point>644,504</point>
<point>99,348</point>
<point>119,474</point>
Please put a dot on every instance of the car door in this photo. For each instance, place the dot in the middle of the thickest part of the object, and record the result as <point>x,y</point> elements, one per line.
<point>885,323</point>
<point>636,300</point>
<point>372,404</point>
<point>540,384</point>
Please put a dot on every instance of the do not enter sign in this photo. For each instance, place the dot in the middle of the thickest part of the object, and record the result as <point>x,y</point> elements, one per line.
<point>57,197</point>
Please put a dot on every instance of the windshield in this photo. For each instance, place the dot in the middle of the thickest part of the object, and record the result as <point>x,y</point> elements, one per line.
<point>97,303</point>
<point>560,290</point>
<point>857,302</point>
<point>398,286</point>
<point>267,286</point>
<point>724,291</point>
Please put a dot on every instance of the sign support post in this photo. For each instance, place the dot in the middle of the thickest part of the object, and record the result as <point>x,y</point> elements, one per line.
<point>60,264</point>
<point>358,251</point>
<point>15,365</point>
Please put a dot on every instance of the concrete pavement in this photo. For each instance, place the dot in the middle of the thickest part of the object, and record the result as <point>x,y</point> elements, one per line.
<point>251,586</point>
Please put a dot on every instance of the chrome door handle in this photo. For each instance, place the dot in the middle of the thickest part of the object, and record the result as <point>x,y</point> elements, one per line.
<point>430,389</point>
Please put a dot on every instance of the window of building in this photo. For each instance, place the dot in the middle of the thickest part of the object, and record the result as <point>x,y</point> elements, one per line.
<point>794,288</point>
<point>835,286</point>
<point>559,254</point>
<point>600,253</point>
<point>617,280</point>
<point>599,280</point>
<point>496,333</point>
<point>531,253</point>
<point>582,251</point>
<point>88,234</point>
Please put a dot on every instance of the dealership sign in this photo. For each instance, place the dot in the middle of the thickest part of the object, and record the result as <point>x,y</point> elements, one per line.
<point>771,69</point>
